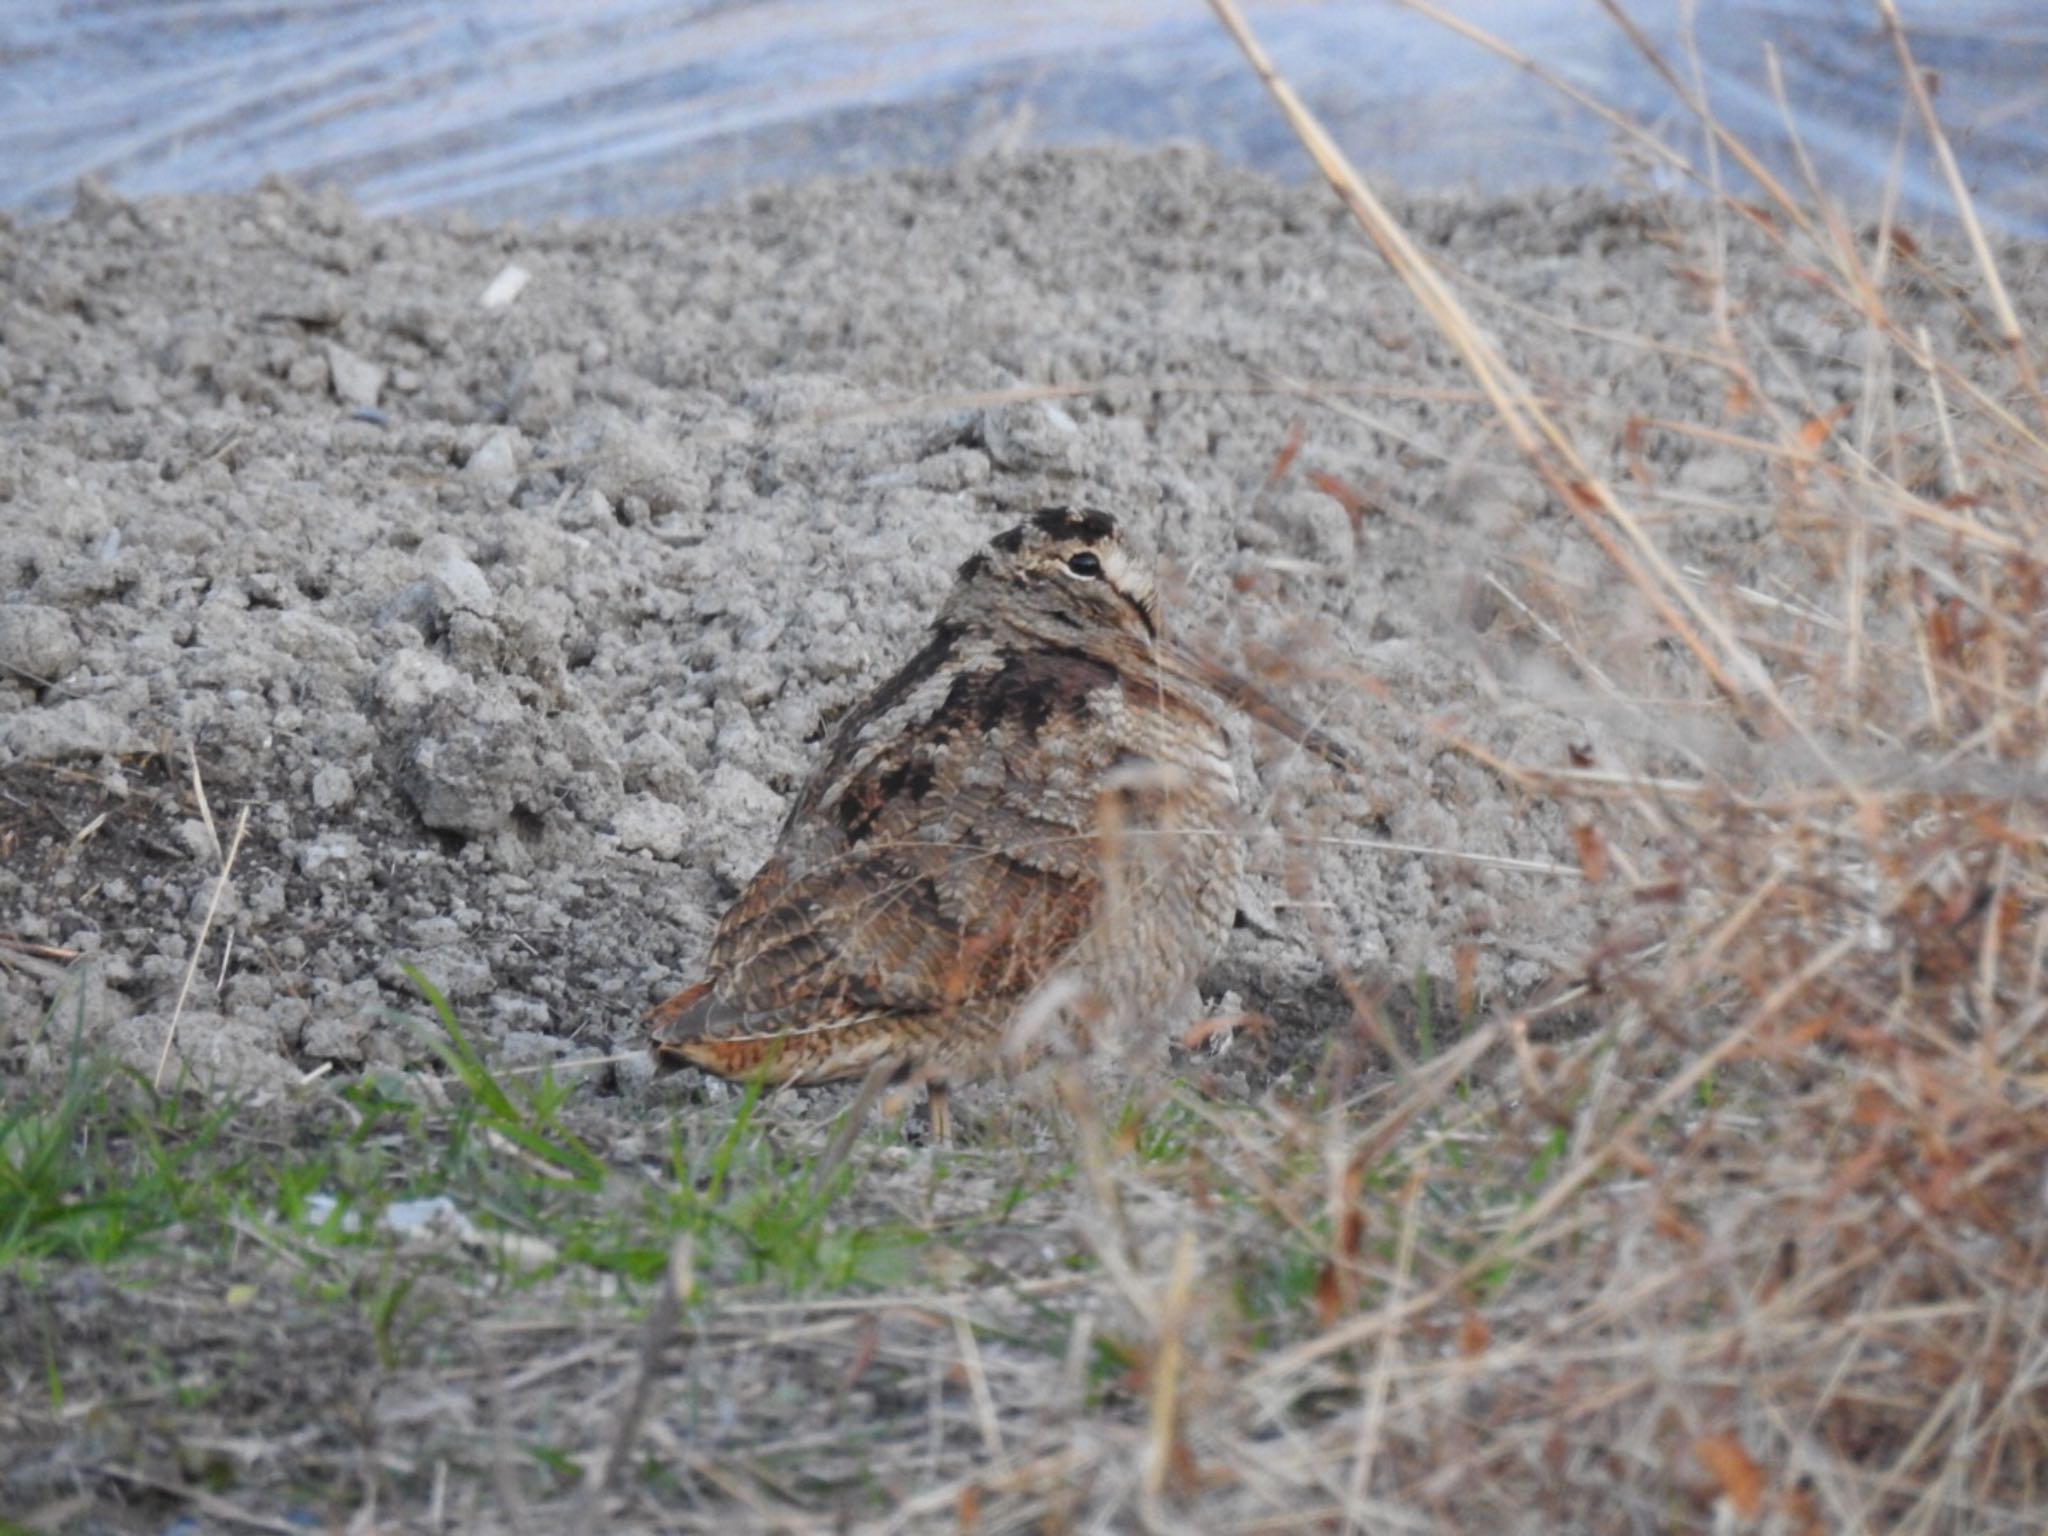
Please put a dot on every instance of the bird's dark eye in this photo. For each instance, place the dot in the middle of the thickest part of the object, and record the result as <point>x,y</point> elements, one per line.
<point>1084,564</point>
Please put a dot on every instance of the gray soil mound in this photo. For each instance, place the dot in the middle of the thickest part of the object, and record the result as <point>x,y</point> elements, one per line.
<point>516,624</point>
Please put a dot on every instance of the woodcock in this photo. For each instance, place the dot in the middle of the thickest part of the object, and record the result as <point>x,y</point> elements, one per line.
<point>1029,832</point>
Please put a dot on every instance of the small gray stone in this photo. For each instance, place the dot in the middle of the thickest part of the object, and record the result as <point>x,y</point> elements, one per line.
<point>1032,436</point>
<point>460,586</point>
<point>633,1065</point>
<point>1721,472</point>
<point>132,392</point>
<point>515,1011</point>
<point>646,463</point>
<point>529,1048</point>
<point>335,1039</point>
<point>733,819</point>
<point>494,462</point>
<point>473,758</point>
<point>333,787</point>
<point>74,728</point>
<point>458,971</point>
<point>96,203</point>
<point>331,857</point>
<point>411,604</point>
<point>645,823</point>
<point>1312,526</point>
<point>357,381</point>
<point>450,785</point>
<point>411,680</point>
<point>956,469</point>
<point>36,643</point>
<point>307,373</point>
<point>212,1051</point>
<point>199,841</point>
<point>593,509</point>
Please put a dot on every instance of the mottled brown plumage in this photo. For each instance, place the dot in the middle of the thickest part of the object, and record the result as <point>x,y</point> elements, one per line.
<point>1029,830</point>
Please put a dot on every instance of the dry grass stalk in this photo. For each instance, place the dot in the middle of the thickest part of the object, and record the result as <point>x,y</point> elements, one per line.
<point>1788,1253</point>
<point>220,885</point>
<point>2009,329</point>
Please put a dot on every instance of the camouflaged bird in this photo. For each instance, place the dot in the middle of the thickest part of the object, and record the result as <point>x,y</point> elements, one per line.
<point>1030,830</point>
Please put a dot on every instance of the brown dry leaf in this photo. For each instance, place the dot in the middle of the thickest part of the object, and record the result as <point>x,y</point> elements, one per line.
<point>1741,1479</point>
<point>1592,851</point>
<point>1632,446</point>
<point>1289,452</point>
<point>1465,967</point>
<point>1817,431</point>
<point>1351,1222</point>
<point>1329,1295</point>
<point>1762,216</point>
<point>2029,579</point>
<point>2006,920</point>
<point>967,1509</point>
<point>1633,1159</point>
<point>1473,1335</point>
<point>1207,1028</point>
<point>1851,1175</point>
<point>1964,902</point>
<point>1671,1224</point>
<point>1945,633</point>
<point>1802,1513</point>
<point>1356,503</point>
<point>1809,1030</point>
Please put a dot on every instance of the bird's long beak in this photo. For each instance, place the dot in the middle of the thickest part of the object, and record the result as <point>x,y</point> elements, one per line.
<point>1243,694</point>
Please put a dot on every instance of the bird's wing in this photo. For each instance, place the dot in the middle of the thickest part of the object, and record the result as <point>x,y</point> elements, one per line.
<point>945,853</point>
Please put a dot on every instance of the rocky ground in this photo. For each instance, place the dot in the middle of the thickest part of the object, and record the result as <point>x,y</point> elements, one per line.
<point>509,578</point>
<point>514,613</point>
<point>478,596</point>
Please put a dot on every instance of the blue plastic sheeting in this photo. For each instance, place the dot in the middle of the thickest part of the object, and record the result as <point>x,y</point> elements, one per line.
<point>524,108</point>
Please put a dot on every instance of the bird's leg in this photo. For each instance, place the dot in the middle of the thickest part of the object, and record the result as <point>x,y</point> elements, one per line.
<point>939,1106</point>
